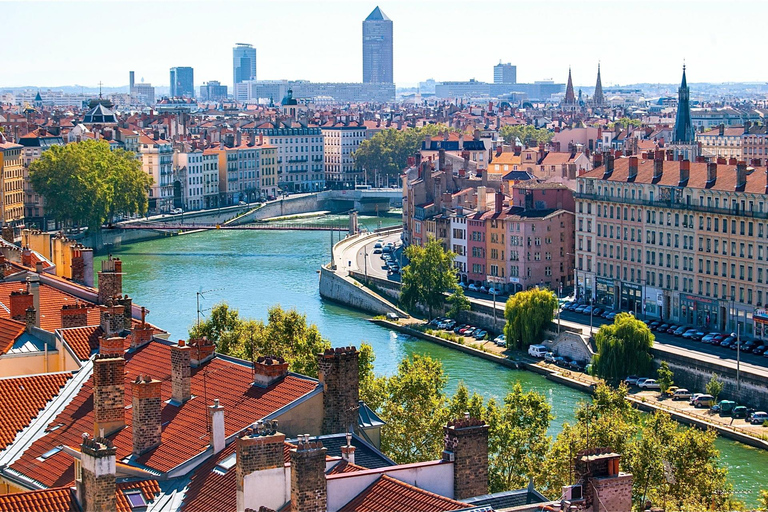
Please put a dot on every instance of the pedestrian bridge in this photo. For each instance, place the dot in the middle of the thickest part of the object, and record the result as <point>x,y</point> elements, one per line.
<point>365,201</point>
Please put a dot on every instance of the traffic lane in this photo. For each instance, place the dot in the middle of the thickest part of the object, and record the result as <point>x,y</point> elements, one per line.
<point>669,339</point>
<point>376,265</point>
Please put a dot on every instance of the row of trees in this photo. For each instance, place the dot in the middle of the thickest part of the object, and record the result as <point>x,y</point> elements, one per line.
<point>529,135</point>
<point>387,152</point>
<point>88,183</point>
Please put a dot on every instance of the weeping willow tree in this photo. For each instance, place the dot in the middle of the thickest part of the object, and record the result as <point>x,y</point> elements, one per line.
<point>527,313</point>
<point>623,348</point>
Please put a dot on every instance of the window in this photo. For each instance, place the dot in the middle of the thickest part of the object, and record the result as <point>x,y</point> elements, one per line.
<point>136,499</point>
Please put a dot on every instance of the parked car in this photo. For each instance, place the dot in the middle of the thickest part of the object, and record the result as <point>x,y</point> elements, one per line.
<point>480,334</point>
<point>631,380</point>
<point>537,351</point>
<point>462,285</point>
<point>177,211</point>
<point>500,340</point>
<point>749,345</point>
<point>575,366</point>
<point>449,325</point>
<point>605,313</point>
<point>727,342</point>
<point>564,306</point>
<point>469,332</point>
<point>703,400</point>
<point>689,334</point>
<point>465,329</point>
<point>724,407</point>
<point>698,335</point>
<point>662,327</point>
<point>549,357</point>
<point>640,381</point>
<point>562,362</point>
<point>597,311</point>
<point>493,291</point>
<point>650,384</point>
<point>671,329</point>
<point>459,328</point>
<point>681,394</point>
<point>680,330</point>
<point>652,324</point>
<point>709,338</point>
<point>473,287</point>
<point>580,308</point>
<point>483,289</point>
<point>740,412</point>
<point>758,418</point>
<point>759,350</point>
<point>612,315</point>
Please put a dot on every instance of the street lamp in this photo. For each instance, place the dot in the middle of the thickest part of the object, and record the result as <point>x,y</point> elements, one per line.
<point>738,343</point>
<point>559,294</point>
<point>591,308</point>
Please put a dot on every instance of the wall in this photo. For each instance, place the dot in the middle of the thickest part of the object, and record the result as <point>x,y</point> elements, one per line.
<point>291,205</point>
<point>349,292</point>
<point>303,418</point>
<point>32,363</point>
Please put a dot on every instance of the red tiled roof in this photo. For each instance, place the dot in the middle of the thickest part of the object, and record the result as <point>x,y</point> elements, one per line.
<point>345,467</point>
<point>58,499</point>
<point>209,490</point>
<point>184,427</point>
<point>390,495</point>
<point>10,330</point>
<point>149,488</point>
<point>22,399</point>
<point>51,301</point>
<point>83,340</point>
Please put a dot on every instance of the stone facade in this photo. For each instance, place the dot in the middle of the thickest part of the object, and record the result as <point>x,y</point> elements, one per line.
<point>113,346</point>
<point>146,425</point>
<point>309,489</point>
<point>110,279</point>
<point>572,345</point>
<point>96,484</point>
<point>108,394</point>
<point>127,304</point>
<point>74,315</point>
<point>181,379</point>
<point>466,443</point>
<point>338,372</point>
<point>30,317</point>
<point>615,493</point>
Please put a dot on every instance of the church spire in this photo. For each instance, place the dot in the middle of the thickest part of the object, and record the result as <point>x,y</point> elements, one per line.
<point>683,133</point>
<point>570,97</point>
<point>598,98</point>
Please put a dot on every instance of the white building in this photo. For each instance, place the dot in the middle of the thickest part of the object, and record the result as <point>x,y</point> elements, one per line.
<point>459,244</point>
<point>157,161</point>
<point>300,165</point>
<point>210,179</point>
<point>189,168</point>
<point>341,139</point>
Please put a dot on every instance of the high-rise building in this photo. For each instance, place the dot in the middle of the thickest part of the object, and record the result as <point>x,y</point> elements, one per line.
<point>377,48</point>
<point>213,91</point>
<point>504,74</point>
<point>243,63</point>
<point>182,82</point>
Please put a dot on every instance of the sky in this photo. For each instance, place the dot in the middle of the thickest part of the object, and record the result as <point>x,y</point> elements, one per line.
<point>48,44</point>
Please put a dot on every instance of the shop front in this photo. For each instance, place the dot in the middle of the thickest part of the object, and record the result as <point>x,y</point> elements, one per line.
<point>585,286</point>
<point>632,298</point>
<point>605,294</point>
<point>700,311</point>
<point>653,303</point>
<point>760,319</point>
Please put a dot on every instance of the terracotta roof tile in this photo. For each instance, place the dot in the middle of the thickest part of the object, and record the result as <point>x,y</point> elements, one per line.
<point>58,499</point>
<point>51,301</point>
<point>390,495</point>
<point>183,433</point>
<point>83,340</point>
<point>10,330</point>
<point>345,467</point>
<point>22,399</point>
<point>149,488</point>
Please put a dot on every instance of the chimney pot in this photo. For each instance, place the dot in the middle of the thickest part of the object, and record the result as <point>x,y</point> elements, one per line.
<point>181,379</point>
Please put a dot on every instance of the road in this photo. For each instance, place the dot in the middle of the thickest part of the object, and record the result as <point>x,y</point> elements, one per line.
<point>375,266</point>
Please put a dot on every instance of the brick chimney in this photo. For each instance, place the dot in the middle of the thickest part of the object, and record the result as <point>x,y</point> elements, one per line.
<point>597,160</point>
<point>732,161</point>
<point>721,160</point>
<point>685,173</point>
<point>309,489</point>
<point>269,369</point>
<point>632,168</point>
<point>466,445</point>
<point>147,406</point>
<point>181,379</point>
<point>216,426</point>
<point>112,318</point>
<point>74,315</point>
<point>26,257</point>
<point>110,279</point>
<point>658,165</point>
<point>741,175</point>
<point>21,300</point>
<point>338,373</point>
<point>498,202</point>
<point>711,173</point>
<point>113,346</point>
<point>201,350</point>
<point>30,318</point>
<point>95,487</point>
<point>348,451</point>
<point>142,334</point>
<point>259,448</point>
<point>127,304</point>
<point>597,470</point>
<point>609,158</point>
<point>108,394</point>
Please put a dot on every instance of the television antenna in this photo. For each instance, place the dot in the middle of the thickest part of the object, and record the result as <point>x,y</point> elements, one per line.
<point>200,294</point>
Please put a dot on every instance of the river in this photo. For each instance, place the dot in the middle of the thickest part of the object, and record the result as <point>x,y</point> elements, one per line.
<point>253,270</point>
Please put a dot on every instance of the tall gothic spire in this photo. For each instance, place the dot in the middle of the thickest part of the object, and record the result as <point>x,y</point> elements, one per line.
<point>598,98</point>
<point>684,133</point>
<point>570,97</point>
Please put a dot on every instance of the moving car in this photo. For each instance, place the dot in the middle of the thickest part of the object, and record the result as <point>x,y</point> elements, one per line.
<point>703,400</point>
<point>681,394</point>
<point>650,384</point>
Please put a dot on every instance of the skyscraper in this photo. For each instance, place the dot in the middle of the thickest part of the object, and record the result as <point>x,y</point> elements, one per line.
<point>504,74</point>
<point>182,82</point>
<point>377,48</point>
<point>243,63</point>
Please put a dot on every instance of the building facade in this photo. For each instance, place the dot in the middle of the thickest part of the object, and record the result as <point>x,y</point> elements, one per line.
<point>377,48</point>
<point>182,82</point>
<point>723,141</point>
<point>243,63</point>
<point>340,140</point>
<point>300,161</point>
<point>504,74</point>
<point>213,91</point>
<point>157,161</point>
<point>12,174</point>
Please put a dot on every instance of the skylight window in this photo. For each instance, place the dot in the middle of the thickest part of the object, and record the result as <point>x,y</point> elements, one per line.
<point>225,464</point>
<point>136,499</point>
<point>49,453</point>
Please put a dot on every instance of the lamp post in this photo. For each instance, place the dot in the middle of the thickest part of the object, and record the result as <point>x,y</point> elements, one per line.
<point>735,313</point>
<point>365,262</point>
<point>559,294</point>
<point>591,308</point>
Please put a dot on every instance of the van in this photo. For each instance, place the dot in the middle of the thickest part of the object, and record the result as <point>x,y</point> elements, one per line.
<point>537,351</point>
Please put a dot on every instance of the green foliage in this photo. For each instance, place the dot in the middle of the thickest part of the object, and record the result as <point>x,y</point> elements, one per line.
<point>87,183</point>
<point>286,334</point>
<point>462,402</point>
<point>387,152</point>
<point>624,122</point>
<point>665,377</point>
<point>527,314</point>
<point>429,274</point>
<point>623,348</point>
<point>714,386</point>
<point>763,500</point>
<point>529,135</point>
<point>458,302</point>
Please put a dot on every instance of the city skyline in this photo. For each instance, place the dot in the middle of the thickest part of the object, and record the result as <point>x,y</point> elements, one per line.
<point>325,46</point>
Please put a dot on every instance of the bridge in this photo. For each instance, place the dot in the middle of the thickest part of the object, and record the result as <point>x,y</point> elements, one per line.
<point>366,201</point>
<point>266,226</point>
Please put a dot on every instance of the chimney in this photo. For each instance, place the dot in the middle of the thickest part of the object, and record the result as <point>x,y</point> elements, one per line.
<point>30,318</point>
<point>441,159</point>
<point>466,445</point>
<point>609,158</point>
<point>21,300</point>
<point>111,318</point>
<point>26,257</point>
<point>147,406</point>
<point>201,351</point>
<point>338,373</point>
<point>741,175</point>
<point>127,304</point>
<point>711,173</point>
<point>108,394</point>
<point>721,129</point>
<point>685,173</point>
<point>499,202</point>
<point>110,279</point>
<point>348,451</point>
<point>670,154</point>
<point>39,267</point>
<point>259,447</point>
<point>181,380</point>
<point>74,315</point>
<point>33,285</point>
<point>732,161</point>
<point>481,199</point>
<point>632,168</point>
<point>658,165</point>
<point>142,334</point>
<point>598,471</point>
<point>309,488</point>
<point>216,426</point>
<point>96,487</point>
<point>597,160</point>
<point>721,160</point>
<point>269,369</point>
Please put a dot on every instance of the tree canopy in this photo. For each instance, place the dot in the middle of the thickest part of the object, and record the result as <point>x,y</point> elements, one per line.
<point>429,274</point>
<point>286,334</point>
<point>87,183</point>
<point>528,313</point>
<point>387,151</point>
<point>529,135</point>
<point>623,348</point>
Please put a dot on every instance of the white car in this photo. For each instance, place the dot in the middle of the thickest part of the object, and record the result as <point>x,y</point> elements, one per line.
<point>500,340</point>
<point>650,384</point>
<point>473,288</point>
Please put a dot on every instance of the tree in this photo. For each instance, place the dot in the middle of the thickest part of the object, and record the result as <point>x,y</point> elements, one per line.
<point>87,183</point>
<point>458,302</point>
<point>529,135</point>
<point>714,386</point>
<point>286,334</point>
<point>428,276</point>
<point>665,377</point>
<point>763,499</point>
<point>623,348</point>
<point>527,314</point>
<point>372,388</point>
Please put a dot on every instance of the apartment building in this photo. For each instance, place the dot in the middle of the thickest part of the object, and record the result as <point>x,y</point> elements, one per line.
<point>341,139</point>
<point>239,169</point>
<point>157,161</point>
<point>723,141</point>
<point>12,176</point>
<point>675,240</point>
<point>300,166</point>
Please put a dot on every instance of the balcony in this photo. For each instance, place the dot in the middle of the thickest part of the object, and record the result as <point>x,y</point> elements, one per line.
<point>658,203</point>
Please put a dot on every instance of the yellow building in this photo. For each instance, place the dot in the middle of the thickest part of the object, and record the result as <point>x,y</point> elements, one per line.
<point>12,176</point>
<point>504,163</point>
<point>268,180</point>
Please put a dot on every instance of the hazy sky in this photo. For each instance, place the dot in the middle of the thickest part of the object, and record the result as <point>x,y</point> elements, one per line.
<point>84,42</point>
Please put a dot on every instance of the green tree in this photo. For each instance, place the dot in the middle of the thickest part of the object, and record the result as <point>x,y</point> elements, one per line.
<point>387,152</point>
<point>623,348</point>
<point>462,402</point>
<point>527,314</point>
<point>529,135</point>
<point>372,388</point>
<point>763,500</point>
<point>87,183</point>
<point>428,276</point>
<point>458,303</point>
<point>665,377</point>
<point>714,386</point>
